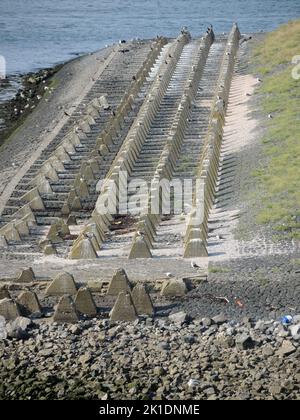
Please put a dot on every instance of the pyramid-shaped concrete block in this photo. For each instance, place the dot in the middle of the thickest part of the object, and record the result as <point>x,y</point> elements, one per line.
<point>124,309</point>
<point>83,250</point>
<point>119,283</point>
<point>63,284</point>
<point>65,311</point>
<point>142,300</point>
<point>84,302</point>
<point>9,309</point>
<point>29,304</point>
<point>174,287</point>
<point>4,293</point>
<point>26,276</point>
<point>140,249</point>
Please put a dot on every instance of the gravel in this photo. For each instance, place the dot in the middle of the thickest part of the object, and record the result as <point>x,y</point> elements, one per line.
<point>152,359</point>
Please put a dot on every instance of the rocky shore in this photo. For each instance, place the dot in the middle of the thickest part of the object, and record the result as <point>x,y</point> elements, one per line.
<point>29,89</point>
<point>172,358</point>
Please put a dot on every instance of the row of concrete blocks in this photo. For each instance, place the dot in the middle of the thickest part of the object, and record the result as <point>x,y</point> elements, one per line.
<point>197,230</point>
<point>131,301</point>
<point>142,244</point>
<point>90,169</point>
<point>24,218</point>
<point>88,243</point>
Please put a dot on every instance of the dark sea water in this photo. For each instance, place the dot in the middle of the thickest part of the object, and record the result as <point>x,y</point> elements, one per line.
<point>40,33</point>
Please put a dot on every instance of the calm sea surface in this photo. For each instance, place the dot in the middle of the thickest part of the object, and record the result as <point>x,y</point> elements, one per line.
<point>40,33</point>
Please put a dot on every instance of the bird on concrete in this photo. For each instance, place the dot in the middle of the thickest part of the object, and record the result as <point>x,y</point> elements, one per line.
<point>170,275</point>
<point>194,265</point>
<point>270,116</point>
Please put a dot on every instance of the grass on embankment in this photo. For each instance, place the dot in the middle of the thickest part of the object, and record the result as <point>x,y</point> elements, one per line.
<point>279,180</point>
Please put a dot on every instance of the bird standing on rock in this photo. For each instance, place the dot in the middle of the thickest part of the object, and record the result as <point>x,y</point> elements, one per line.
<point>194,265</point>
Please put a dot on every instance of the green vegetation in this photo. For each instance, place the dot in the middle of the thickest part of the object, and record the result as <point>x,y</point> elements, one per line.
<point>280,92</point>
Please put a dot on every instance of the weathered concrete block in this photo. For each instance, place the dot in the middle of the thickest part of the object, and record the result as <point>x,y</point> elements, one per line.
<point>142,300</point>
<point>29,304</point>
<point>84,302</point>
<point>195,248</point>
<point>83,249</point>
<point>26,276</point>
<point>65,311</point>
<point>124,309</point>
<point>119,283</point>
<point>63,284</point>
<point>4,293</point>
<point>3,242</point>
<point>174,287</point>
<point>140,249</point>
<point>9,309</point>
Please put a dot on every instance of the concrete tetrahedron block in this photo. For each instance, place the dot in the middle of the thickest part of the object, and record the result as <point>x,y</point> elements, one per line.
<point>142,300</point>
<point>63,284</point>
<point>119,283</point>
<point>124,309</point>
<point>85,303</point>
<point>65,311</point>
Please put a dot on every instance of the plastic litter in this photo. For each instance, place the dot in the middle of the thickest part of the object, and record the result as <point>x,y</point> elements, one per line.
<point>286,319</point>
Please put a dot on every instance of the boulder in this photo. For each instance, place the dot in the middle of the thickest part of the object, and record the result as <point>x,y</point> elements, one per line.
<point>119,283</point>
<point>85,303</point>
<point>63,284</point>
<point>9,309</point>
<point>286,349</point>
<point>65,311</point>
<point>179,317</point>
<point>142,300</point>
<point>18,328</point>
<point>124,309</point>
<point>29,304</point>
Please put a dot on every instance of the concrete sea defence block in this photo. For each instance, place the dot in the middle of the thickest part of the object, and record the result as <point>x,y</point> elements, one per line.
<point>65,311</point>
<point>63,284</point>
<point>142,300</point>
<point>84,302</point>
<point>174,288</point>
<point>29,304</point>
<point>124,309</point>
<point>119,283</point>
<point>26,276</point>
<point>9,309</point>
